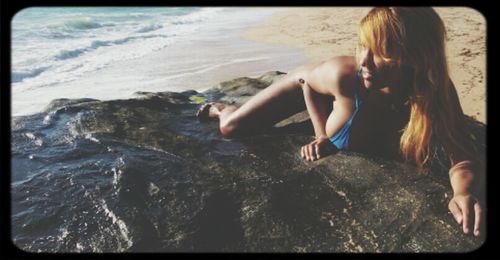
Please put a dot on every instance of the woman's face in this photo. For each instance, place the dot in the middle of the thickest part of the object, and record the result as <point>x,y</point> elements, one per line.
<point>377,73</point>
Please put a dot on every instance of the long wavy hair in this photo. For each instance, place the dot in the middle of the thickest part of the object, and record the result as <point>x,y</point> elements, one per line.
<point>415,38</point>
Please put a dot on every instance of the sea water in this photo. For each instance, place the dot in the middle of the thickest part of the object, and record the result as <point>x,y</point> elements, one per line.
<point>112,52</point>
<point>54,45</point>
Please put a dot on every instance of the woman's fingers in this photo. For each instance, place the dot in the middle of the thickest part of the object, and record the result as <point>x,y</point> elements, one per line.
<point>468,213</point>
<point>465,206</point>
<point>455,210</point>
<point>478,215</point>
<point>465,217</point>
<point>310,151</point>
<point>305,153</point>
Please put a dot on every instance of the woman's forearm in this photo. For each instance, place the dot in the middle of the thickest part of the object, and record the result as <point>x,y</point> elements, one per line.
<point>317,109</point>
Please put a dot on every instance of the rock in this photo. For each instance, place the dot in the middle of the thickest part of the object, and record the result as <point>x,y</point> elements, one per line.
<point>185,188</point>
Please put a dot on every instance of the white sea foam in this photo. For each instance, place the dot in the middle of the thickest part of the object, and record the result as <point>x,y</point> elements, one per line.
<point>122,227</point>
<point>39,60</point>
<point>36,140</point>
<point>47,120</point>
<point>91,138</point>
<point>117,172</point>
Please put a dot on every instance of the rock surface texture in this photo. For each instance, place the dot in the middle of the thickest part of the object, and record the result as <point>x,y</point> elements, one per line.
<point>152,177</point>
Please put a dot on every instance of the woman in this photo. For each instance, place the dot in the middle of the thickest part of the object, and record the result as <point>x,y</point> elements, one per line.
<point>395,98</point>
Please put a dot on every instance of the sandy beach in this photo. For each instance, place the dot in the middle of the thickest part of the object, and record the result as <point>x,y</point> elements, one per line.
<point>322,33</point>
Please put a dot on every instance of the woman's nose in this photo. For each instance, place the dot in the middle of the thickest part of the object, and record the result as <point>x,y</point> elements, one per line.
<point>366,56</point>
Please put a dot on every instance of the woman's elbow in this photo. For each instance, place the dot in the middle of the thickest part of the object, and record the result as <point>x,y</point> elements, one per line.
<point>227,128</point>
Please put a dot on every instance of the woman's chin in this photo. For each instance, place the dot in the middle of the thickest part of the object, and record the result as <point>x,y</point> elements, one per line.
<point>371,85</point>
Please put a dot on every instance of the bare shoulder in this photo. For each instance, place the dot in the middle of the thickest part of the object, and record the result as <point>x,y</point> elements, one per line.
<point>340,64</point>
<point>334,76</point>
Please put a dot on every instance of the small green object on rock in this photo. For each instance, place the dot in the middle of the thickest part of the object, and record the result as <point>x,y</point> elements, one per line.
<point>197,99</point>
<point>153,189</point>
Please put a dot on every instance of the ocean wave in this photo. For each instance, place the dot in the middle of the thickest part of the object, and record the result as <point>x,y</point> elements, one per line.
<point>83,23</point>
<point>64,55</point>
<point>149,28</point>
<point>68,54</point>
<point>20,76</point>
<point>196,17</point>
<point>70,29</point>
<point>59,35</point>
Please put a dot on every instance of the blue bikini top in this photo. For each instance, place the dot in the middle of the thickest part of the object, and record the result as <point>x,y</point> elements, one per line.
<point>341,138</point>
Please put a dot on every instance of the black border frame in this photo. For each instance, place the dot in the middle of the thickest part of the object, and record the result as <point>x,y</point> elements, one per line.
<point>9,9</point>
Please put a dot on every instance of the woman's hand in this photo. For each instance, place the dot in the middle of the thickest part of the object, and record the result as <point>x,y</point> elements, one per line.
<point>468,212</point>
<point>316,149</point>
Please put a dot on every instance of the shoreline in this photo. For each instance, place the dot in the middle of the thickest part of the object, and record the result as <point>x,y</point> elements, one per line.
<point>324,32</point>
<point>197,61</point>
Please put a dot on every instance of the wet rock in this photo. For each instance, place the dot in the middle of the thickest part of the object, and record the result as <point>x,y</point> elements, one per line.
<point>185,188</point>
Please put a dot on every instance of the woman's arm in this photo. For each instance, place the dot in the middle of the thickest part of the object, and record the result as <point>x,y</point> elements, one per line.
<point>325,124</point>
<point>466,178</point>
<point>318,108</point>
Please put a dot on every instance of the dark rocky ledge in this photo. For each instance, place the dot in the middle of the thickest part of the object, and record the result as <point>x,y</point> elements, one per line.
<point>206,193</point>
